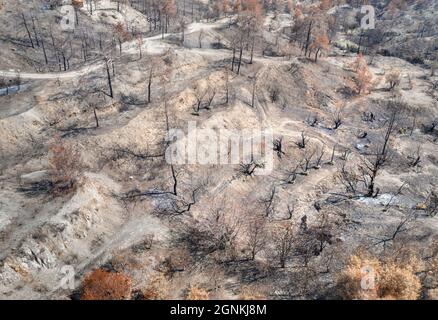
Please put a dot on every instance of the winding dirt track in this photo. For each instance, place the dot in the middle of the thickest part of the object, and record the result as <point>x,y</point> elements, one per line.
<point>152,45</point>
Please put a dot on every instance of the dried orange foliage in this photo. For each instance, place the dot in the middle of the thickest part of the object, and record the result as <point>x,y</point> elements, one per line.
<point>321,43</point>
<point>196,293</point>
<point>252,5</point>
<point>250,14</point>
<point>78,3</point>
<point>121,32</point>
<point>237,5</point>
<point>225,6</point>
<point>104,285</point>
<point>251,294</point>
<point>157,289</point>
<point>64,164</point>
<point>392,280</point>
<point>298,14</point>
<point>168,7</point>
<point>396,5</point>
<point>363,74</point>
<point>325,4</point>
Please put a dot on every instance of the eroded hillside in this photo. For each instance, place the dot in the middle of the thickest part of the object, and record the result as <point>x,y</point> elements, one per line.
<point>85,117</point>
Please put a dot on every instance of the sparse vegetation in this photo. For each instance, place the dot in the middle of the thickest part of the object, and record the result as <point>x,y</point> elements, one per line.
<point>188,149</point>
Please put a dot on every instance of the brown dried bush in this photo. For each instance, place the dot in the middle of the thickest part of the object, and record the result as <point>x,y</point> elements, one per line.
<point>393,279</point>
<point>157,289</point>
<point>105,285</point>
<point>197,293</point>
<point>251,294</point>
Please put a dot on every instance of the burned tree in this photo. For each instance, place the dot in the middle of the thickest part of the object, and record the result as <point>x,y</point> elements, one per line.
<point>312,120</point>
<point>110,86</point>
<point>214,235</point>
<point>320,155</point>
<point>393,79</point>
<point>291,175</point>
<point>373,163</point>
<point>248,168</point>
<point>200,93</point>
<point>268,202</point>
<point>282,243</point>
<point>337,119</point>
<point>278,147</point>
<point>256,236</point>
<point>307,159</point>
<point>27,30</point>
<point>414,159</point>
<point>302,143</point>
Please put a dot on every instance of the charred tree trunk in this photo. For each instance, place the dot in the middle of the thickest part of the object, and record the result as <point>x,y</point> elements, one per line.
<point>309,32</point>
<point>234,59</point>
<point>252,51</point>
<point>150,85</point>
<point>27,30</point>
<point>95,118</point>
<point>44,51</point>
<point>109,80</point>
<point>35,32</point>
<point>240,60</point>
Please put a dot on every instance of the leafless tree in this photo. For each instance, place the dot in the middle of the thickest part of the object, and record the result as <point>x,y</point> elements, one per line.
<point>282,243</point>
<point>151,74</point>
<point>181,204</point>
<point>119,152</point>
<point>200,38</point>
<point>332,158</point>
<point>302,143</point>
<point>307,159</point>
<point>345,154</point>
<point>256,235</point>
<point>401,227</point>
<point>321,152</point>
<point>278,147</point>
<point>393,79</point>
<point>200,93</point>
<point>110,86</point>
<point>27,30</point>
<point>399,191</point>
<point>215,233</point>
<point>274,92</point>
<point>312,120</point>
<point>227,85</point>
<point>268,202</point>
<point>415,158</point>
<point>291,175</point>
<point>248,168</point>
<point>313,239</point>
<point>374,162</point>
<point>337,119</point>
<point>182,24</point>
<point>349,179</point>
<point>254,88</point>
<point>211,94</point>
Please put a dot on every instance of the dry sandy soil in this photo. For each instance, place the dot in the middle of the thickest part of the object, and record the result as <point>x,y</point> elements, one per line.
<point>112,212</point>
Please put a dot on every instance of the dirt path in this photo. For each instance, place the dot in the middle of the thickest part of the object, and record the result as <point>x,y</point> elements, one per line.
<point>152,45</point>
